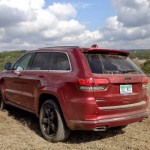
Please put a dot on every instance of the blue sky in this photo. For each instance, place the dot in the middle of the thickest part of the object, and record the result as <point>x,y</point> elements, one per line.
<point>92,13</point>
<point>115,24</point>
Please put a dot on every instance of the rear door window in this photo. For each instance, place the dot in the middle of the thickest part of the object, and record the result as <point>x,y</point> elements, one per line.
<point>111,64</point>
<point>59,61</point>
<point>41,61</point>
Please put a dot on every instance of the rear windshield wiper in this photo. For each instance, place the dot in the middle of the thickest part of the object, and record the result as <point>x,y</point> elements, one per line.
<point>128,71</point>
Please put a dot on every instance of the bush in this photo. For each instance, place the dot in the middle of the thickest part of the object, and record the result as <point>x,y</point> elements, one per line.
<point>146,67</point>
<point>9,56</point>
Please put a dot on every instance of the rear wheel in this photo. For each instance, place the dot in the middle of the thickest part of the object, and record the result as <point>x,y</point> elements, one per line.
<point>51,122</point>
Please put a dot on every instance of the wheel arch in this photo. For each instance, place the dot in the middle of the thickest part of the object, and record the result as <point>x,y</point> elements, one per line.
<point>47,96</point>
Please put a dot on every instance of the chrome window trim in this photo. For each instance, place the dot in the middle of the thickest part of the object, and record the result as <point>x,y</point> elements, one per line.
<point>57,71</point>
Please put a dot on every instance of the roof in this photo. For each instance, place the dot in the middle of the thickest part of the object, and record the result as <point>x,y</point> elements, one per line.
<point>93,49</point>
<point>59,47</point>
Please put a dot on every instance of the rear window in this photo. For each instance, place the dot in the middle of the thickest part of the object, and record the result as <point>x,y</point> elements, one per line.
<point>111,64</point>
<point>41,61</point>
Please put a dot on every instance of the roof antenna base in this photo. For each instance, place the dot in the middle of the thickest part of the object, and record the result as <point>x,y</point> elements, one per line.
<point>94,46</point>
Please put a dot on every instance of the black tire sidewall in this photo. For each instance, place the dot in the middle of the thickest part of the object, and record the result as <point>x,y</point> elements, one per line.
<point>60,134</point>
<point>2,104</point>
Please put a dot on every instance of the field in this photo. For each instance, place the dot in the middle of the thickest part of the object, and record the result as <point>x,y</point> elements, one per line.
<point>20,131</point>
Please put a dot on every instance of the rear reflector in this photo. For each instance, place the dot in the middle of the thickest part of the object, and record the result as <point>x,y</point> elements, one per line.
<point>90,117</point>
<point>93,84</point>
<point>144,82</point>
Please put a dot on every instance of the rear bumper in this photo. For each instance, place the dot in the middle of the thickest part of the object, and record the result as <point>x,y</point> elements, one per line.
<point>111,122</point>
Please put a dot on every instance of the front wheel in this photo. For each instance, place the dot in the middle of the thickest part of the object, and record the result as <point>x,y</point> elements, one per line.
<point>51,122</point>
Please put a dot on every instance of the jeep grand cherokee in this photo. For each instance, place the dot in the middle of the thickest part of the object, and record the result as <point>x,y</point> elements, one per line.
<point>73,88</point>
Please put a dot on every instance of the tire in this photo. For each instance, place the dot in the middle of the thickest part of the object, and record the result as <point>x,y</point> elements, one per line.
<point>119,127</point>
<point>51,122</point>
<point>2,104</point>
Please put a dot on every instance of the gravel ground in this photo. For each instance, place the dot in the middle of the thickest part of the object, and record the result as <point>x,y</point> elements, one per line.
<point>19,131</point>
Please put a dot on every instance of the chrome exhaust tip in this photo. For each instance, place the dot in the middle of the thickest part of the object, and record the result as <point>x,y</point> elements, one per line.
<point>100,128</point>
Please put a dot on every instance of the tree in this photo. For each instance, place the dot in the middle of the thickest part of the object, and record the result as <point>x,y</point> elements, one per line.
<point>146,67</point>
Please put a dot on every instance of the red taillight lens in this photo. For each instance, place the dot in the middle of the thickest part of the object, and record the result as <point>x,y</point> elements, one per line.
<point>93,84</point>
<point>100,82</point>
<point>144,82</point>
<point>86,82</point>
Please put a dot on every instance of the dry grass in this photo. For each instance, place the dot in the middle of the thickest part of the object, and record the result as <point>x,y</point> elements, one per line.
<point>19,131</point>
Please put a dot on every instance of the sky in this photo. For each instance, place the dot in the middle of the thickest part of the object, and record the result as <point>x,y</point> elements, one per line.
<point>113,24</point>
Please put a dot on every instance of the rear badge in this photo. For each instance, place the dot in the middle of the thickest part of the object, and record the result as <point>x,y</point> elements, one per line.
<point>127,78</point>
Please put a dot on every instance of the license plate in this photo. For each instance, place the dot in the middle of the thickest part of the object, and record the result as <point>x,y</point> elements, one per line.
<point>125,89</point>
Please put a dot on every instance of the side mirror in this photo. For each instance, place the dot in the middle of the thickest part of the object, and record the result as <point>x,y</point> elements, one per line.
<point>8,66</point>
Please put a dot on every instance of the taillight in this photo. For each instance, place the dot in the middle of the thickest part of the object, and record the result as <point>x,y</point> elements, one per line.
<point>144,82</point>
<point>93,84</point>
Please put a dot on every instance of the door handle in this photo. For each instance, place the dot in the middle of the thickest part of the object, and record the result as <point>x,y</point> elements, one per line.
<point>40,75</point>
<point>19,74</point>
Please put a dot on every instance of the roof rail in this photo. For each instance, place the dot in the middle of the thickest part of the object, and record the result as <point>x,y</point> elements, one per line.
<point>60,47</point>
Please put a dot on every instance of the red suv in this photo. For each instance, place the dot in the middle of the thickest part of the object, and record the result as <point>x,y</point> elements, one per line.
<point>73,88</point>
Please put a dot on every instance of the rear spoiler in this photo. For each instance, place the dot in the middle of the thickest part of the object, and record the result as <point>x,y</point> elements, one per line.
<point>95,49</point>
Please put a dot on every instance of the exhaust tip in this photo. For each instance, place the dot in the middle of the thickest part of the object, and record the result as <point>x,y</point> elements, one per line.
<point>100,128</point>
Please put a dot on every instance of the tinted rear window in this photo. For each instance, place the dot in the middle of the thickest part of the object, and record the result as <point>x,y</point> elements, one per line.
<point>59,61</point>
<point>111,64</point>
<point>41,61</point>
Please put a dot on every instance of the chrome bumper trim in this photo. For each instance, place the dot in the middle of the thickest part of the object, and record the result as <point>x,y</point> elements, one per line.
<point>145,114</point>
<point>143,103</point>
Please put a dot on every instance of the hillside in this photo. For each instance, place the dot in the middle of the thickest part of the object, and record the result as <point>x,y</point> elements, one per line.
<point>141,54</point>
<point>10,56</point>
<point>142,59</point>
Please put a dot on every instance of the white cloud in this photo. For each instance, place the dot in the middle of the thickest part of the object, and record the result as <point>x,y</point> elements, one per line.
<point>133,12</point>
<point>62,11</point>
<point>28,24</point>
<point>82,5</point>
<point>130,28</point>
<point>31,25</point>
<point>23,4</point>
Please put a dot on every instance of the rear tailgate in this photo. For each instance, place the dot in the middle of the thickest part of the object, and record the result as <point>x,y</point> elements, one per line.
<point>123,92</point>
<point>120,85</point>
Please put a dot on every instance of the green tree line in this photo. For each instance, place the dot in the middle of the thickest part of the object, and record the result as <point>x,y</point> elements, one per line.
<point>146,67</point>
<point>140,54</point>
<point>144,55</point>
<point>10,56</point>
